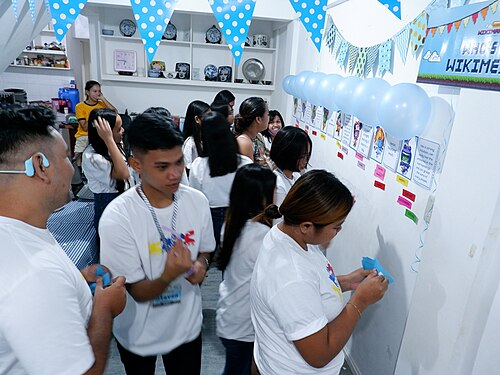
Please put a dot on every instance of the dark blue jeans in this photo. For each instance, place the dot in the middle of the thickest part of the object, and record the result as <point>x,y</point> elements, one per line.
<point>218,214</point>
<point>239,356</point>
<point>101,200</point>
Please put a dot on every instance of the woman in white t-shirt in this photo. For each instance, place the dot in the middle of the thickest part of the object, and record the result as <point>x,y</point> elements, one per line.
<point>290,151</point>
<point>300,320</point>
<point>249,218</point>
<point>213,172</point>
<point>103,161</point>
<point>193,146</point>
<point>276,123</point>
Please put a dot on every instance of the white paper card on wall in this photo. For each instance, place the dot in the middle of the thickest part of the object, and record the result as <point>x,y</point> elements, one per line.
<point>425,163</point>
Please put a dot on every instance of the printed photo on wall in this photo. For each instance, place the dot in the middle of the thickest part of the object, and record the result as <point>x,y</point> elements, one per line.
<point>365,140</point>
<point>378,144</point>
<point>314,117</point>
<point>338,125</point>
<point>346,129</point>
<point>324,120</point>
<point>407,158</point>
<point>391,154</point>
<point>296,107</point>
<point>356,133</point>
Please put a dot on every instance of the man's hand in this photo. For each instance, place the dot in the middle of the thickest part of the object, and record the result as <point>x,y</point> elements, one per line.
<point>112,298</point>
<point>199,272</point>
<point>178,262</point>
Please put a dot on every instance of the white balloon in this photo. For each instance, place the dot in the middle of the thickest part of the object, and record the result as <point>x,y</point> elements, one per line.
<point>440,120</point>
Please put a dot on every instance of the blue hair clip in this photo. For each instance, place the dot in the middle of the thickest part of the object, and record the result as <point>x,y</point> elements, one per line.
<point>29,166</point>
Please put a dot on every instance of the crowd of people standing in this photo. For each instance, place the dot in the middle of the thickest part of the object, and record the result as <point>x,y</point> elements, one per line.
<point>168,204</point>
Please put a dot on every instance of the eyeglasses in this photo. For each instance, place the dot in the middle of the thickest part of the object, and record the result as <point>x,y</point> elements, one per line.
<point>30,166</point>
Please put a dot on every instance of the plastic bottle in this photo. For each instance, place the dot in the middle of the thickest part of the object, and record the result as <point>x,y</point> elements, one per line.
<point>72,94</point>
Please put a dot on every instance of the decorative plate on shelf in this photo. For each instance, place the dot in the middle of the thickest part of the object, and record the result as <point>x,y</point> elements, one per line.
<point>253,70</point>
<point>170,32</point>
<point>213,35</point>
<point>211,72</point>
<point>127,27</point>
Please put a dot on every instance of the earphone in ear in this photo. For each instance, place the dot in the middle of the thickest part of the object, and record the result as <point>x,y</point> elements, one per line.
<point>30,168</point>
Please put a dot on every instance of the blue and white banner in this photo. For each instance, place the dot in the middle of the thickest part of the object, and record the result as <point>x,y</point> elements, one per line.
<point>401,41</point>
<point>466,50</point>
<point>64,13</point>
<point>312,13</point>
<point>14,9</point>
<point>234,18</point>
<point>418,29</point>
<point>371,56</point>
<point>344,48</point>
<point>32,9</point>
<point>394,6</point>
<point>384,57</point>
<point>353,55</point>
<point>152,17</point>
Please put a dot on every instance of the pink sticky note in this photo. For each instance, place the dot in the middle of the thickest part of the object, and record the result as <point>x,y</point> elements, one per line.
<point>404,202</point>
<point>359,156</point>
<point>379,172</point>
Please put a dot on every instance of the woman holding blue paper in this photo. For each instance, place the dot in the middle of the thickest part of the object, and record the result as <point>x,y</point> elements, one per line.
<point>298,312</point>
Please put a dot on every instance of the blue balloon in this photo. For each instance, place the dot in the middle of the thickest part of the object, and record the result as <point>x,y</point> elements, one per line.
<point>344,92</point>
<point>404,110</point>
<point>326,89</point>
<point>366,99</point>
<point>311,87</point>
<point>300,83</point>
<point>287,84</point>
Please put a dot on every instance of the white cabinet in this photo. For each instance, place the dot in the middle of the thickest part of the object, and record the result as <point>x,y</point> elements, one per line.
<point>189,47</point>
<point>44,53</point>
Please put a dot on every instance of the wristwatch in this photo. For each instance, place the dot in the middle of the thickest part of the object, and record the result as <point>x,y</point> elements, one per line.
<point>207,263</point>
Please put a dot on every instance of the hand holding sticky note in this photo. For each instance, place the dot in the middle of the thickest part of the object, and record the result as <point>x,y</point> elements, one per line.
<point>370,264</point>
<point>106,278</point>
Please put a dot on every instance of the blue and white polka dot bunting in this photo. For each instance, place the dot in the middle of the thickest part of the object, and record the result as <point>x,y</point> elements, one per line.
<point>32,9</point>
<point>234,18</point>
<point>14,9</point>
<point>64,13</point>
<point>393,5</point>
<point>312,14</point>
<point>152,17</point>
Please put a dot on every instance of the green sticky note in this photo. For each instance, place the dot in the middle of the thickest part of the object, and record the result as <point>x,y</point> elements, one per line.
<point>410,215</point>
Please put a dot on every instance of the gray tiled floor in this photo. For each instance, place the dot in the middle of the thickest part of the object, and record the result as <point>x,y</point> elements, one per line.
<point>213,351</point>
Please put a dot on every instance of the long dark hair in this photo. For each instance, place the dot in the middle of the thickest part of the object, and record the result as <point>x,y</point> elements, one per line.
<point>219,144</point>
<point>251,196</point>
<point>191,128</point>
<point>98,144</point>
<point>272,114</point>
<point>250,109</point>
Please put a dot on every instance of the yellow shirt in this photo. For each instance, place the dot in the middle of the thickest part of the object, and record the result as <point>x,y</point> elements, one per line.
<point>82,113</point>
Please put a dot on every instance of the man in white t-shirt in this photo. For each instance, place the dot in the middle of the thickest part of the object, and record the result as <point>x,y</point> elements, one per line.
<point>48,321</point>
<point>159,236</point>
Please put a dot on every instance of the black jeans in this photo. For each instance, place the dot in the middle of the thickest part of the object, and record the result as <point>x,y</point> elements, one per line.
<point>239,356</point>
<point>183,360</point>
<point>218,214</point>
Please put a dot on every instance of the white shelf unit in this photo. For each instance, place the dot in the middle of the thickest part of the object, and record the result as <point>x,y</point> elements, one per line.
<point>190,47</point>
<point>30,58</point>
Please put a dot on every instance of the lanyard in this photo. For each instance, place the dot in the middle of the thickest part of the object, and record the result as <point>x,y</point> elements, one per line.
<point>289,180</point>
<point>166,245</point>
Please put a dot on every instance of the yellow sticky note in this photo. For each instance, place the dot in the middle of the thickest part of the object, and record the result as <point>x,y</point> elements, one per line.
<point>339,145</point>
<point>323,137</point>
<point>403,181</point>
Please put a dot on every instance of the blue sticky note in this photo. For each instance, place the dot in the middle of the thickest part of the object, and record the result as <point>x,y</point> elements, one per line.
<point>370,264</point>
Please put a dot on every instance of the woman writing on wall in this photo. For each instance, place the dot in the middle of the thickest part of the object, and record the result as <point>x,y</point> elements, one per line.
<point>298,312</point>
<point>290,152</point>
<point>252,119</point>
<point>192,146</point>
<point>247,222</point>
<point>213,172</point>
<point>276,123</point>
<point>94,99</point>
<point>104,161</point>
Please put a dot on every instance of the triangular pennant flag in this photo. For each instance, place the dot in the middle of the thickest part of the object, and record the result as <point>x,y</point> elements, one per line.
<point>401,41</point>
<point>393,5</point>
<point>353,54</point>
<point>441,29</point>
<point>234,18</point>
<point>329,22</point>
<point>344,47</point>
<point>312,15</point>
<point>64,13</point>
<point>384,57</point>
<point>448,27</point>
<point>484,12</point>
<point>14,9</point>
<point>337,42</point>
<point>494,7</point>
<point>47,6</point>
<point>433,31</point>
<point>418,32</point>
<point>474,17</point>
<point>371,56</point>
<point>32,9</point>
<point>359,69</point>
<point>152,17</point>
<point>466,21</point>
<point>330,36</point>
<point>457,24</point>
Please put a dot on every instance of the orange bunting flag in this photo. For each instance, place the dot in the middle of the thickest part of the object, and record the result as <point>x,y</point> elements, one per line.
<point>433,31</point>
<point>457,24</point>
<point>484,12</point>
